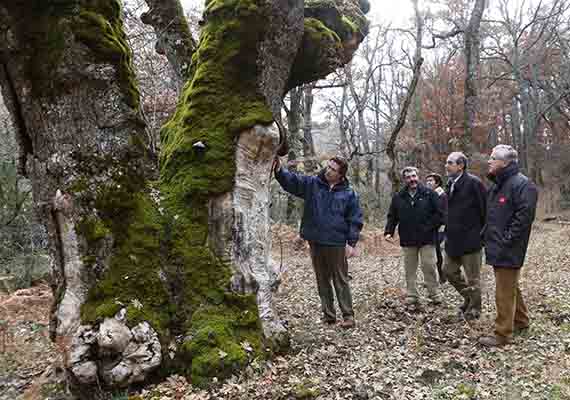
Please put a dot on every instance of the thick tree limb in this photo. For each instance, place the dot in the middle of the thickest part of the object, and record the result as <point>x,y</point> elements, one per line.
<point>472,50</point>
<point>333,31</point>
<point>174,38</point>
<point>390,146</point>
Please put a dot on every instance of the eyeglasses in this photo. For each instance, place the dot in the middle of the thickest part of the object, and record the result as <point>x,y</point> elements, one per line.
<point>450,162</point>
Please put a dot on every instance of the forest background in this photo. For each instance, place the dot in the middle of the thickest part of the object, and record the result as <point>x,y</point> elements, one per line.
<point>431,77</point>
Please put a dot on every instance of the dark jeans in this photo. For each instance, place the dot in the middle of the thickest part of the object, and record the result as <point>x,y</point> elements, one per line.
<point>330,265</point>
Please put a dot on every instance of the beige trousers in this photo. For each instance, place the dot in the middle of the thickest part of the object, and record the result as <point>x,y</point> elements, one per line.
<point>426,255</point>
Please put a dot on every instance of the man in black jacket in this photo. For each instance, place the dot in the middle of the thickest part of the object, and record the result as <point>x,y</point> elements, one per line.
<point>511,207</point>
<point>467,206</point>
<point>416,212</point>
<point>331,223</point>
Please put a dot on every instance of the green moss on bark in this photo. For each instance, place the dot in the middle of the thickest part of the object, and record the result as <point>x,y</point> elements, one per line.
<point>223,338</point>
<point>318,52</point>
<point>99,26</point>
<point>318,31</point>
<point>134,272</point>
<point>95,23</point>
<point>221,100</point>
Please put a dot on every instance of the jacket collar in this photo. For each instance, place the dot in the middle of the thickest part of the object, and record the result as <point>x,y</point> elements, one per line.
<point>504,174</point>
<point>342,185</point>
<point>421,189</point>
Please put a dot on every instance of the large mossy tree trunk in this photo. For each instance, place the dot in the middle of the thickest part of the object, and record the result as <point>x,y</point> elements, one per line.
<point>161,269</point>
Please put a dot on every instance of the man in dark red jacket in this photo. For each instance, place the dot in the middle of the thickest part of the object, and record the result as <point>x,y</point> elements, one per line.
<point>511,207</point>
<point>467,205</point>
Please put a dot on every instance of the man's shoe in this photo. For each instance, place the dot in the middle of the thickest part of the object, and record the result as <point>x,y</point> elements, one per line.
<point>521,330</point>
<point>494,341</point>
<point>347,324</point>
<point>435,300</point>
<point>465,306</point>
<point>328,321</point>
<point>472,314</point>
<point>411,301</point>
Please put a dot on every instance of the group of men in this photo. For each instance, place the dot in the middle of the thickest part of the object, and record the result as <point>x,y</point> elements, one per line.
<point>468,215</point>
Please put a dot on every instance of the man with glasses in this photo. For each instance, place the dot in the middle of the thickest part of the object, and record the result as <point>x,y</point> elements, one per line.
<point>511,207</point>
<point>331,223</point>
<point>415,210</point>
<point>466,211</point>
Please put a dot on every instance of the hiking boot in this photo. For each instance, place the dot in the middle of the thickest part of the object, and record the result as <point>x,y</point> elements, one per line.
<point>441,275</point>
<point>494,341</point>
<point>435,300</point>
<point>471,302</point>
<point>521,330</point>
<point>411,301</point>
<point>472,314</point>
<point>347,324</point>
<point>328,321</point>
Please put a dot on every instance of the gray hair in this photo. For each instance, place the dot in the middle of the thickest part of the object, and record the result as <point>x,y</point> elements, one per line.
<point>459,158</point>
<point>408,170</point>
<point>504,152</point>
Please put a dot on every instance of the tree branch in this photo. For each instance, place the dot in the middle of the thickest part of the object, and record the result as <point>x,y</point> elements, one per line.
<point>174,38</point>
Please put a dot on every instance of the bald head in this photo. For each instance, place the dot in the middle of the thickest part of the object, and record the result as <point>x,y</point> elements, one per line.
<point>456,163</point>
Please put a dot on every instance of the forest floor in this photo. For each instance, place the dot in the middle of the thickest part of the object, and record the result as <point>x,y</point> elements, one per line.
<point>391,354</point>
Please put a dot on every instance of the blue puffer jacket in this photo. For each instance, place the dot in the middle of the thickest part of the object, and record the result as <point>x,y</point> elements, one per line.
<point>331,217</point>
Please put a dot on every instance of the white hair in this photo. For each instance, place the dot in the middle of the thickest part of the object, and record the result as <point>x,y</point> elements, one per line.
<point>505,152</point>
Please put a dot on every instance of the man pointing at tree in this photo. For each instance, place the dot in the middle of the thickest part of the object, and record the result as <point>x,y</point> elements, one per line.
<point>331,223</point>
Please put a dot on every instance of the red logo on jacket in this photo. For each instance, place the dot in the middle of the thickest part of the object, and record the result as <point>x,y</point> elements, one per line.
<point>502,199</point>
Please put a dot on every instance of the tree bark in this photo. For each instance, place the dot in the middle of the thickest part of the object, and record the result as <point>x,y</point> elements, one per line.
<point>393,174</point>
<point>174,39</point>
<point>472,44</point>
<point>170,273</point>
<point>308,144</point>
<point>295,149</point>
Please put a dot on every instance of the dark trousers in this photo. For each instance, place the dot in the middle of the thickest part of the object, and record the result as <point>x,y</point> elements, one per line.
<point>330,265</point>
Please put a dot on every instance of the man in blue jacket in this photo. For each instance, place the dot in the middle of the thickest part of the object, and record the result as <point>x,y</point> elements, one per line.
<point>416,211</point>
<point>511,207</point>
<point>331,223</point>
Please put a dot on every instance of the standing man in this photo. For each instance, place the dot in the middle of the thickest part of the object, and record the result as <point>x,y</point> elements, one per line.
<point>467,208</point>
<point>511,209</point>
<point>435,183</point>
<point>415,210</point>
<point>331,223</point>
